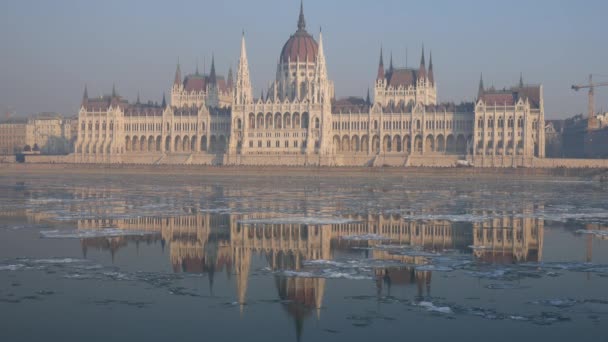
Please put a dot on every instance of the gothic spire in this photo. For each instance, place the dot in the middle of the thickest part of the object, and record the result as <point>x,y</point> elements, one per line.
<point>481,89</point>
<point>212,75</point>
<point>422,69</point>
<point>85,95</point>
<point>243,84</point>
<point>196,71</point>
<point>164,103</point>
<point>381,67</point>
<point>368,99</point>
<point>301,20</point>
<point>178,74</point>
<point>422,57</point>
<point>431,74</point>
<point>390,68</point>
<point>137,101</point>
<point>521,80</point>
<point>229,81</point>
<point>113,90</point>
<point>322,67</point>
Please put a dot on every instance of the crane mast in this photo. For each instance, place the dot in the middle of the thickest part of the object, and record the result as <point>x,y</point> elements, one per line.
<point>591,105</point>
<point>591,122</point>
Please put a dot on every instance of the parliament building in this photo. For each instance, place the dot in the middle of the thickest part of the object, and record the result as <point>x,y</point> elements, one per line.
<point>297,120</point>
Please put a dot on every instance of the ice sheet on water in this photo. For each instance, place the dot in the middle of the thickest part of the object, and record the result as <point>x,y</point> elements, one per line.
<point>57,261</point>
<point>434,308</point>
<point>435,268</point>
<point>602,234</point>
<point>312,220</point>
<point>365,237</point>
<point>353,263</point>
<point>557,302</point>
<point>12,267</point>
<point>93,233</point>
<point>326,274</point>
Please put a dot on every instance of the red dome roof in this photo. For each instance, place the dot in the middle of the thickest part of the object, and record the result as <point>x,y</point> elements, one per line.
<point>300,45</point>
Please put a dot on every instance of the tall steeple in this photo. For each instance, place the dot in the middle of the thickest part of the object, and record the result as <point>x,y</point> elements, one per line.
<point>521,80</point>
<point>301,20</point>
<point>368,99</point>
<point>212,75</point>
<point>85,96</point>
<point>163,104</point>
<point>321,72</point>
<point>390,67</point>
<point>431,75</point>
<point>380,67</point>
<point>481,89</point>
<point>422,69</point>
<point>178,75</point>
<point>243,83</point>
<point>230,81</point>
<point>113,90</point>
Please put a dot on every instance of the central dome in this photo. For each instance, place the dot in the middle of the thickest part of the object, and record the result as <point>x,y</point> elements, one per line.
<point>300,45</point>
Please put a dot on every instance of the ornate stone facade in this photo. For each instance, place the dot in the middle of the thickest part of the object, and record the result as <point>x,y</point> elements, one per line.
<point>298,121</point>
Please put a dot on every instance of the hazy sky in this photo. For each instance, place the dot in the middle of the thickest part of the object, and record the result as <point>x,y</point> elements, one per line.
<point>50,49</point>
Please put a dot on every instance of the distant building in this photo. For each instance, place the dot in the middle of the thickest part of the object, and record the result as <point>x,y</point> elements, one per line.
<point>298,121</point>
<point>12,136</point>
<point>49,133</point>
<point>553,138</point>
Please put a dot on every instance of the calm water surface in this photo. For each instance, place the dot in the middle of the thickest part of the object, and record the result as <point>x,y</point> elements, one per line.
<point>354,258</point>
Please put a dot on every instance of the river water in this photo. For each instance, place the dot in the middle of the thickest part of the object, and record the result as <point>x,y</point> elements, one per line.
<point>352,257</point>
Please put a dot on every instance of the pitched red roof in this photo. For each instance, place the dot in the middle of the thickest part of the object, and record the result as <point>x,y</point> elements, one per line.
<point>402,77</point>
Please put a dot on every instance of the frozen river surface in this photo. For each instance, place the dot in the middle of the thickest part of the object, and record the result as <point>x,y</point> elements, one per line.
<point>153,257</point>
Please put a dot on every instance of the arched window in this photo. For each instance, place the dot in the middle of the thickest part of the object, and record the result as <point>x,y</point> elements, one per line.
<point>317,123</point>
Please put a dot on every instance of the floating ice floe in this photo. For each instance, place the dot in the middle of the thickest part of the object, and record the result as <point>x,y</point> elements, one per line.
<point>435,268</point>
<point>365,237</point>
<point>14,267</point>
<point>432,307</point>
<point>602,234</point>
<point>311,220</point>
<point>326,274</point>
<point>93,233</point>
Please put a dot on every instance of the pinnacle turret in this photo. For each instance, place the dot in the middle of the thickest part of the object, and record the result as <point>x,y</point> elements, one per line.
<point>301,20</point>
<point>431,75</point>
<point>381,67</point>
<point>178,75</point>
<point>212,75</point>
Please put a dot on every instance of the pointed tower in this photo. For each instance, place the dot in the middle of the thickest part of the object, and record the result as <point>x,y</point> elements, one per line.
<point>113,91</point>
<point>321,73</point>
<point>230,81</point>
<point>301,20</point>
<point>243,83</point>
<point>422,68</point>
<point>380,67</point>
<point>368,100</point>
<point>85,96</point>
<point>164,103</point>
<point>178,76</point>
<point>178,87</point>
<point>390,67</point>
<point>138,102</point>
<point>480,91</point>
<point>521,80</point>
<point>212,75</point>
<point>431,75</point>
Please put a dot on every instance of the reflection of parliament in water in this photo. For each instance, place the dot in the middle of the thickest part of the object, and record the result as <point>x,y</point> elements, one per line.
<point>209,243</point>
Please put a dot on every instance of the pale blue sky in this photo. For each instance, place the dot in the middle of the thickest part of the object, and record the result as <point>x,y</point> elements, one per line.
<point>50,49</point>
